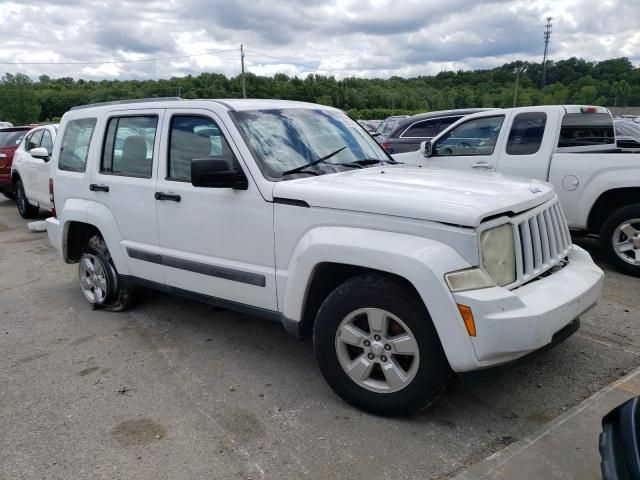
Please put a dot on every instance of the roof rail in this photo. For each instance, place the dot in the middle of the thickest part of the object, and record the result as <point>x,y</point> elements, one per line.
<point>125,102</point>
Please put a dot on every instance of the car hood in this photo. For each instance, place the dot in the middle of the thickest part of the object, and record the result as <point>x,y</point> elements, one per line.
<point>426,193</point>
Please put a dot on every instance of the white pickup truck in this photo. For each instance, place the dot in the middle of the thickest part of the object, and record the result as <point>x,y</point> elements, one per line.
<point>573,148</point>
<point>292,212</point>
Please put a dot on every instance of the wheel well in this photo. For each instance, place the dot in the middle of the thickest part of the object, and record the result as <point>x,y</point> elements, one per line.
<point>608,202</point>
<point>78,236</point>
<point>14,177</point>
<point>325,279</point>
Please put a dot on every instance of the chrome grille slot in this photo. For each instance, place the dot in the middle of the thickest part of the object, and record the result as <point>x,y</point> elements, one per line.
<point>543,237</point>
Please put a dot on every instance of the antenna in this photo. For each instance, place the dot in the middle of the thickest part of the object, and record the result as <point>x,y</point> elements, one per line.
<point>547,38</point>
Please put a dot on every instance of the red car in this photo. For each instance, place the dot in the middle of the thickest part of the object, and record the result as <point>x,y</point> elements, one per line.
<point>10,138</point>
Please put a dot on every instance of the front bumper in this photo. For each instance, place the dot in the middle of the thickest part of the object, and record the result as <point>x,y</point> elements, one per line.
<point>54,232</point>
<point>513,323</point>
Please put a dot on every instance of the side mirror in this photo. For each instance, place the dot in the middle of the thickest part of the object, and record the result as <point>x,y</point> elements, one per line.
<point>216,173</point>
<point>40,152</point>
<point>427,149</point>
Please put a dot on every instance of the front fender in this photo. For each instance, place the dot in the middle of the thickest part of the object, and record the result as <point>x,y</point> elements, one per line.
<point>421,261</point>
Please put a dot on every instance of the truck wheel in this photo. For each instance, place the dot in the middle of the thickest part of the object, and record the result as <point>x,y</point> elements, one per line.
<point>99,281</point>
<point>620,239</point>
<point>377,347</point>
<point>25,209</point>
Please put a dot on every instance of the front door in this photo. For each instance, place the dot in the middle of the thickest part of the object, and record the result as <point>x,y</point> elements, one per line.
<point>469,146</point>
<point>125,182</point>
<point>215,241</point>
<point>41,171</point>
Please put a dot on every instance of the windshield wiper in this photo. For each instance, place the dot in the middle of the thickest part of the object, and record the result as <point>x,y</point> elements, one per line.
<point>315,162</point>
<point>371,161</point>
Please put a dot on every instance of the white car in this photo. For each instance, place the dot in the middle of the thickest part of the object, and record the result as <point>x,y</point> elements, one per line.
<point>292,212</point>
<point>30,170</point>
<point>572,147</point>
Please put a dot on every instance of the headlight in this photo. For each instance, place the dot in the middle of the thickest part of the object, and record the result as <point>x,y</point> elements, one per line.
<point>498,254</point>
<point>469,279</point>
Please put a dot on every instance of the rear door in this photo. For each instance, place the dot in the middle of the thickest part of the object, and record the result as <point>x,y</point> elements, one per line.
<point>471,145</point>
<point>215,241</point>
<point>125,182</point>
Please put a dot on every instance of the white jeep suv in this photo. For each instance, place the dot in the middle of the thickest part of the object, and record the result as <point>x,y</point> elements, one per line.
<point>292,212</point>
<point>30,170</point>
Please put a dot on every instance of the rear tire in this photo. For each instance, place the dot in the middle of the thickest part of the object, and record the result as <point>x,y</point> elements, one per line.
<point>377,347</point>
<point>9,195</point>
<point>620,239</point>
<point>100,282</point>
<point>25,209</point>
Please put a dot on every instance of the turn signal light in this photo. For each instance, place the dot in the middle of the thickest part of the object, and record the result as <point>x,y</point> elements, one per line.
<point>469,322</point>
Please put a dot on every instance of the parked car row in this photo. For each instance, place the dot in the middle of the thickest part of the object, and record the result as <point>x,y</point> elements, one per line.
<point>291,211</point>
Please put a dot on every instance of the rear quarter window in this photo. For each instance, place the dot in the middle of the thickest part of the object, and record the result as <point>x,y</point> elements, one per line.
<point>584,129</point>
<point>76,140</point>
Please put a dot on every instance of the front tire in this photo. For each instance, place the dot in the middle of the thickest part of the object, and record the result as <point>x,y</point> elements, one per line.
<point>377,347</point>
<point>100,282</point>
<point>620,239</point>
<point>26,210</point>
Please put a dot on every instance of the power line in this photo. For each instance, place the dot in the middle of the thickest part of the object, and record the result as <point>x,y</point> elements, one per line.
<point>283,61</point>
<point>110,62</point>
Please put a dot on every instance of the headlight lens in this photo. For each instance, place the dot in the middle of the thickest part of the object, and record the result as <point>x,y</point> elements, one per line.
<point>469,279</point>
<point>498,254</point>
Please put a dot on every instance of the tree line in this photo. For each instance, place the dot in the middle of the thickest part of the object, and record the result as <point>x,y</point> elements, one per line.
<point>614,82</point>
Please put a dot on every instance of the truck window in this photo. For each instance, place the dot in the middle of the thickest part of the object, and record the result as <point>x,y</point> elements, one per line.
<point>75,144</point>
<point>128,146</point>
<point>194,137</point>
<point>34,140</point>
<point>475,137</point>
<point>423,129</point>
<point>583,129</point>
<point>526,133</point>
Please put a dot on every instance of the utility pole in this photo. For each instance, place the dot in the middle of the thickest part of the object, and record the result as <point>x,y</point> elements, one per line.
<point>244,85</point>
<point>518,70</point>
<point>547,37</point>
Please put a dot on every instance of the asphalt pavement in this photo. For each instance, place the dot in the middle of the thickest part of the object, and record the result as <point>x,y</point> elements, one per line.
<point>174,389</point>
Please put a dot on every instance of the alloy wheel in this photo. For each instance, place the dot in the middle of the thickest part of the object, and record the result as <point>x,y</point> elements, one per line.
<point>626,241</point>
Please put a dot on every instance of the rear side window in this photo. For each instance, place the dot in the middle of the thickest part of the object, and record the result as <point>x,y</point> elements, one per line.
<point>194,137</point>
<point>584,129</point>
<point>445,122</point>
<point>75,144</point>
<point>34,140</point>
<point>128,146</point>
<point>423,129</point>
<point>526,133</point>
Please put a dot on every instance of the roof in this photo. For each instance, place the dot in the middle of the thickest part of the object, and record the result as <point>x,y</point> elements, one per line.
<point>437,114</point>
<point>230,103</point>
<point>18,128</point>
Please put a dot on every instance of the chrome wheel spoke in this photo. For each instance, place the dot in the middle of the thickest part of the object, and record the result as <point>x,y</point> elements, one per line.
<point>99,292</point>
<point>628,230</point>
<point>351,335</point>
<point>404,345</point>
<point>394,375</point>
<point>86,283</point>
<point>624,246</point>
<point>87,265</point>
<point>102,283</point>
<point>360,369</point>
<point>378,321</point>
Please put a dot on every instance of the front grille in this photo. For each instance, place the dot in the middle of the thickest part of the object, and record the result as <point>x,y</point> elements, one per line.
<point>543,238</point>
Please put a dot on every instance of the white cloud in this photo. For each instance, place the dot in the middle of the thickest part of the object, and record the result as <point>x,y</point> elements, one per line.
<point>372,38</point>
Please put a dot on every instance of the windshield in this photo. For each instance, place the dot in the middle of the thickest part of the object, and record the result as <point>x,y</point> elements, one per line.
<point>11,139</point>
<point>285,139</point>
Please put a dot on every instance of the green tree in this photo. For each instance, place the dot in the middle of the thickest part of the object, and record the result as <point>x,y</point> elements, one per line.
<point>19,102</point>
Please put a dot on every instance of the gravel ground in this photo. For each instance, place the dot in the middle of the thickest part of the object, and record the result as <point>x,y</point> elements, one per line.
<point>174,389</point>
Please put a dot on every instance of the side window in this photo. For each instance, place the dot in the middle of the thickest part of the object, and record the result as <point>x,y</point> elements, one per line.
<point>34,140</point>
<point>475,137</point>
<point>445,122</point>
<point>128,146</point>
<point>424,129</point>
<point>75,144</point>
<point>526,133</point>
<point>47,142</point>
<point>194,137</point>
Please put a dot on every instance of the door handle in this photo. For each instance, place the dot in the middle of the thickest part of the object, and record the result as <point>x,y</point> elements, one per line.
<point>167,196</point>
<point>98,188</point>
<point>482,165</point>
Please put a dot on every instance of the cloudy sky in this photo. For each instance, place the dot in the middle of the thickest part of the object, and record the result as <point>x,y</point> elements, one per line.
<point>369,38</point>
